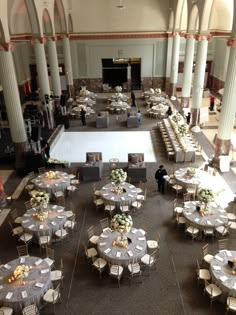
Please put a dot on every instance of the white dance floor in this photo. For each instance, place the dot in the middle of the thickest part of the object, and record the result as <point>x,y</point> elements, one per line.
<point>72,146</point>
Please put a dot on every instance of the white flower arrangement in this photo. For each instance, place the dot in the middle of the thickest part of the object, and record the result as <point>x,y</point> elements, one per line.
<point>121,223</point>
<point>158,91</point>
<point>183,129</point>
<point>51,175</point>
<point>190,172</point>
<point>39,199</point>
<point>118,89</point>
<point>206,195</point>
<point>84,91</point>
<point>178,118</point>
<point>118,176</point>
<point>52,160</point>
<point>21,272</point>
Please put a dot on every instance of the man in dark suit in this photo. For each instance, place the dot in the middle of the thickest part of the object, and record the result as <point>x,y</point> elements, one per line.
<point>159,176</point>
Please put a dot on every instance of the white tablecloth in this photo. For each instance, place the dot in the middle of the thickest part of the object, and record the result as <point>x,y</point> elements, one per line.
<point>222,275</point>
<point>31,290</point>
<point>120,255</point>
<point>55,221</point>
<point>199,177</point>
<point>52,185</point>
<point>130,195</point>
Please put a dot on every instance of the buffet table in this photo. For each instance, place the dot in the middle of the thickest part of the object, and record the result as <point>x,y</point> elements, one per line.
<point>51,185</point>
<point>18,294</point>
<point>223,274</point>
<point>119,255</point>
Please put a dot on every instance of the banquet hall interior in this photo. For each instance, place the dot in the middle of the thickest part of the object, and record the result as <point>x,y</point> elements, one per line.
<point>94,97</point>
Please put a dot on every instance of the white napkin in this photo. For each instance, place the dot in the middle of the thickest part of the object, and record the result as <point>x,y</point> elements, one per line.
<point>217,257</point>
<point>209,222</point>
<point>41,227</point>
<point>40,184</point>
<point>53,223</point>
<point>38,262</point>
<point>141,238</point>
<point>31,226</point>
<point>228,252</point>
<point>112,198</point>
<point>118,254</point>
<point>105,194</point>
<point>102,244</point>
<point>139,247</point>
<point>218,220</point>
<point>44,271</point>
<point>196,219</point>
<point>130,253</point>
<point>130,195</point>
<point>104,188</point>
<point>134,231</point>
<point>9,295</point>
<point>107,251</point>
<point>223,278</point>
<point>39,284</point>
<point>27,215</point>
<point>188,213</point>
<point>22,260</point>
<point>130,186</point>
<point>216,267</point>
<point>60,210</point>
<point>7,266</point>
<point>25,221</point>
<point>54,207</point>
<point>24,294</point>
<point>104,235</point>
<point>134,191</point>
<point>223,216</point>
<point>122,198</point>
<point>234,286</point>
<point>61,217</point>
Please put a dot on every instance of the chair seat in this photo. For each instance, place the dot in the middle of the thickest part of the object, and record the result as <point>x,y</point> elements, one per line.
<point>178,210</point>
<point>139,190</point>
<point>136,204</point>
<point>69,214</point>
<point>181,220</point>
<point>56,275</point>
<point>59,194</point>
<point>177,187</point>
<point>18,230</point>
<point>94,239</point>
<point>208,231</point>
<point>152,244</point>
<point>6,310</point>
<point>231,303</point>
<point>69,224</point>
<point>110,207</point>
<point>140,197</point>
<point>26,237</point>
<point>48,296</point>
<point>204,274</point>
<point>100,263</point>
<point>142,232</point>
<point>18,220</point>
<point>231,216</point>
<point>134,268</point>
<point>71,188</point>
<point>147,260</point>
<point>97,193</point>
<point>124,208</point>
<point>91,252</point>
<point>62,233</point>
<point>99,202</point>
<point>213,290</point>
<point>116,270</point>
<point>192,230</point>
<point>49,261</point>
<point>44,239</point>
<point>208,258</point>
<point>74,181</point>
<point>72,176</point>
<point>232,225</point>
<point>107,229</point>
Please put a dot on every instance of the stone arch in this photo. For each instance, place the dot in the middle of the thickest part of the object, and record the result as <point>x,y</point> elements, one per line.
<point>60,17</point>
<point>171,20</point>
<point>193,19</point>
<point>2,34</point>
<point>47,23</point>
<point>34,18</point>
<point>70,23</point>
<point>178,14</point>
<point>205,17</point>
<point>18,18</point>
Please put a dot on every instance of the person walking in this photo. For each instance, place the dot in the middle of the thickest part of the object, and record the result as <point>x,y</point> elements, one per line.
<point>212,103</point>
<point>159,176</point>
<point>139,115</point>
<point>82,116</point>
<point>45,148</point>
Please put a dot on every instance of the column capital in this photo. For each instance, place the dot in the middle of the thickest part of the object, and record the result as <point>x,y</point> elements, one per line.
<point>231,42</point>
<point>53,38</point>
<point>188,35</point>
<point>7,46</point>
<point>200,37</point>
<point>41,40</point>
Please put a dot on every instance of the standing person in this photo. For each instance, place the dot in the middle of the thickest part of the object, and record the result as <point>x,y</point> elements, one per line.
<point>82,116</point>
<point>139,115</point>
<point>188,118</point>
<point>169,111</point>
<point>212,102</point>
<point>159,176</point>
<point>45,148</point>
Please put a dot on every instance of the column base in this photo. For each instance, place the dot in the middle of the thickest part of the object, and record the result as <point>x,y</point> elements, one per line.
<point>194,116</point>
<point>222,147</point>
<point>185,101</point>
<point>172,89</point>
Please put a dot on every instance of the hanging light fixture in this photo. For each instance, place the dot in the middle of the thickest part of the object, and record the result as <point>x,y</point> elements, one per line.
<point>121,5</point>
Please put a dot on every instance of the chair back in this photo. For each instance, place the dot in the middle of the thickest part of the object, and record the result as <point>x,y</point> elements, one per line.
<point>104,223</point>
<point>30,310</point>
<point>31,175</point>
<point>41,170</point>
<point>90,231</point>
<point>14,214</point>
<point>222,244</point>
<point>56,293</point>
<point>50,252</point>
<point>22,250</point>
<point>205,250</point>
<point>198,266</point>
<point>28,205</point>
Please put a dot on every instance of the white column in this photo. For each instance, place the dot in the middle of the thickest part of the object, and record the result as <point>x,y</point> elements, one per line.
<point>188,66</point>
<point>67,60</point>
<point>199,73</point>
<point>54,68</point>
<point>41,68</point>
<point>12,98</point>
<point>175,60</point>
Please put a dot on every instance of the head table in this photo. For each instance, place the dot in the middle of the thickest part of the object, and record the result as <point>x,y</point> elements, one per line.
<point>217,216</point>
<point>51,185</point>
<point>129,195</point>
<point>55,220</point>
<point>119,255</point>
<point>222,273</point>
<point>17,294</point>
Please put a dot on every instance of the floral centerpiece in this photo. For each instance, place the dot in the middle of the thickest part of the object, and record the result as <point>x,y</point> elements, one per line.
<point>121,223</point>
<point>21,272</point>
<point>178,118</point>
<point>205,196</point>
<point>183,129</point>
<point>118,89</point>
<point>84,91</point>
<point>51,175</point>
<point>39,199</point>
<point>118,176</point>
<point>190,172</point>
<point>52,160</point>
<point>40,214</point>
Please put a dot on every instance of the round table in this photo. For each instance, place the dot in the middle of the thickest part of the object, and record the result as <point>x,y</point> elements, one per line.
<point>55,221</point>
<point>129,196</point>
<point>52,185</point>
<point>185,180</point>
<point>216,217</point>
<point>120,255</point>
<point>17,295</point>
<point>222,275</point>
